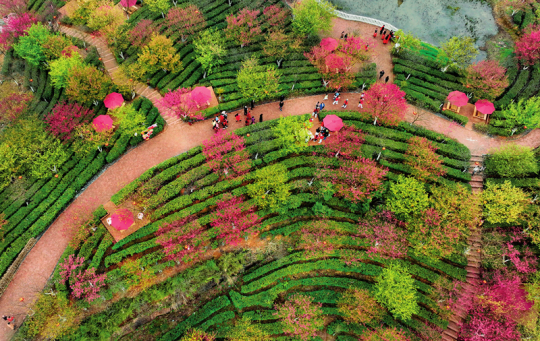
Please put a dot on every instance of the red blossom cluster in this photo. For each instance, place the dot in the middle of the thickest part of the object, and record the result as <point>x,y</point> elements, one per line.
<point>65,117</point>
<point>85,284</point>
<point>182,240</point>
<point>15,26</point>
<point>234,221</point>
<point>385,234</point>
<point>142,33</point>
<point>243,27</point>
<point>185,21</point>
<point>386,103</point>
<point>226,154</point>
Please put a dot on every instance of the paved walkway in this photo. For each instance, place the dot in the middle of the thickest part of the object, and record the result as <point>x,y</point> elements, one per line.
<point>175,139</point>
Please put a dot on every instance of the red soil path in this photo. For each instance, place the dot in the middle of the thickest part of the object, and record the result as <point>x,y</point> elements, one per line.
<point>178,138</point>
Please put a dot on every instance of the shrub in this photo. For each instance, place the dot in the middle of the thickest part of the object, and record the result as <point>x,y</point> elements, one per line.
<point>395,289</point>
<point>270,188</point>
<point>512,161</point>
<point>407,196</point>
<point>504,203</point>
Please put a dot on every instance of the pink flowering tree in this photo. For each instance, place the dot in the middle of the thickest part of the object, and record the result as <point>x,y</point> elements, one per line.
<point>15,27</point>
<point>481,326</point>
<point>13,105</point>
<point>346,142</point>
<point>300,316</point>
<point>243,27</point>
<point>142,33</point>
<point>233,220</point>
<point>386,103</point>
<point>318,239</point>
<point>12,6</point>
<point>487,79</point>
<point>182,240</point>
<point>185,21</point>
<point>180,104</point>
<point>65,117</point>
<point>69,267</point>
<point>88,284</point>
<point>226,154</point>
<point>528,46</point>
<point>386,235</point>
<point>275,16</point>
<point>356,180</point>
<point>505,298</point>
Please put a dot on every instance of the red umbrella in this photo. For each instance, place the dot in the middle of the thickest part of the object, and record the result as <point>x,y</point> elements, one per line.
<point>122,219</point>
<point>102,122</point>
<point>329,44</point>
<point>201,95</point>
<point>113,100</point>
<point>457,98</point>
<point>485,107</point>
<point>333,123</point>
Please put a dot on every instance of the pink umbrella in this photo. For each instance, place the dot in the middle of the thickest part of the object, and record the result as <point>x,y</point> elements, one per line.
<point>485,107</point>
<point>201,95</point>
<point>113,100</point>
<point>122,219</point>
<point>102,122</point>
<point>457,98</point>
<point>329,44</point>
<point>128,3</point>
<point>333,122</point>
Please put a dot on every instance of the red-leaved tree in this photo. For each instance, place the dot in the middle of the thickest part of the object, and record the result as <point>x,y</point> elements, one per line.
<point>275,16</point>
<point>65,117</point>
<point>185,21</point>
<point>226,154</point>
<point>234,220</point>
<point>88,284</point>
<point>528,46</point>
<point>13,105</point>
<point>180,104</point>
<point>421,156</point>
<point>142,33</point>
<point>487,79</point>
<point>182,240</point>
<point>386,103</point>
<point>346,142</point>
<point>244,27</point>
<point>386,235</point>
<point>15,26</point>
<point>12,6</point>
<point>356,180</point>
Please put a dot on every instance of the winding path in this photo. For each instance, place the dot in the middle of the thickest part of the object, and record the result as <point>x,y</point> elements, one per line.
<point>176,139</point>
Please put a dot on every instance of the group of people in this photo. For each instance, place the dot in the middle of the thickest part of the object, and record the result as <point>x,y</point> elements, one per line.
<point>10,321</point>
<point>386,35</point>
<point>321,133</point>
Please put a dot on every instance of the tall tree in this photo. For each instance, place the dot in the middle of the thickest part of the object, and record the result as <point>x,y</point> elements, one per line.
<point>15,27</point>
<point>30,47</point>
<point>275,16</point>
<point>346,142</point>
<point>270,188</point>
<point>65,117</point>
<point>312,16</point>
<point>86,139</point>
<point>512,161</point>
<point>226,154</point>
<point>384,334</point>
<point>524,113</point>
<point>62,68</point>
<point>528,46</point>
<point>197,335</point>
<point>292,133</point>
<point>141,34</point>
<point>384,234</point>
<point>160,54</point>
<point>185,21</point>
<point>130,121</point>
<point>12,6</point>
<point>396,290</point>
<point>12,105</point>
<point>300,316</point>
<point>457,52</point>
<point>421,156</point>
<point>257,82</point>
<point>358,306</point>
<point>234,220</point>
<point>407,196</point>
<point>209,47</point>
<point>158,6</point>
<point>182,240</point>
<point>56,46</point>
<point>278,45</point>
<point>243,27</point>
<point>504,203</point>
<point>87,84</point>
<point>180,104</point>
<point>386,103</point>
<point>245,330</point>
<point>487,79</point>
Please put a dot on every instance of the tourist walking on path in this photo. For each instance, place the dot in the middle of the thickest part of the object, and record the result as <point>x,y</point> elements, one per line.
<point>321,106</point>
<point>336,101</point>
<point>260,118</point>
<point>281,98</point>
<point>382,29</point>
<point>345,36</point>
<point>252,104</point>
<point>387,79</point>
<point>245,110</point>
<point>281,106</point>
<point>237,116</point>
<point>375,34</point>
<point>381,73</point>
<point>342,34</point>
<point>252,119</point>
<point>345,104</point>
<point>361,103</point>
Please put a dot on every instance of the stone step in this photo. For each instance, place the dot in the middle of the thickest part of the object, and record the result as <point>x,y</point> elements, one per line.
<point>453,327</point>
<point>446,337</point>
<point>475,184</point>
<point>472,269</point>
<point>451,333</point>
<point>477,178</point>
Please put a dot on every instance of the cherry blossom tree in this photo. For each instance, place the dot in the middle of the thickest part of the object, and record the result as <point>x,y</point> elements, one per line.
<point>386,235</point>
<point>233,220</point>
<point>12,6</point>
<point>69,267</point>
<point>346,142</point>
<point>318,239</point>
<point>180,104</point>
<point>13,105</point>
<point>182,240</point>
<point>481,326</point>
<point>185,21</point>
<point>142,33</point>
<point>226,154</point>
<point>421,156</point>
<point>88,284</point>
<point>356,180</point>
<point>300,316</point>
<point>487,79</point>
<point>15,27</point>
<point>528,46</point>
<point>244,27</point>
<point>275,16</point>
<point>385,102</point>
<point>65,117</point>
<point>505,298</point>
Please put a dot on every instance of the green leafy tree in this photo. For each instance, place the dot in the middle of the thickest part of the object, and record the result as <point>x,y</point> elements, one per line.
<point>406,41</point>
<point>52,155</point>
<point>270,188</point>
<point>407,196</point>
<point>30,47</point>
<point>8,164</point>
<point>245,330</point>
<point>312,16</point>
<point>61,69</point>
<point>88,84</point>
<point>278,45</point>
<point>160,54</point>
<point>512,161</point>
<point>525,113</point>
<point>358,306</point>
<point>504,203</point>
<point>54,45</point>
<point>231,264</point>
<point>198,335</point>
<point>395,289</point>
<point>53,317</point>
<point>129,120</point>
<point>459,51</point>
<point>87,139</point>
<point>292,133</point>
<point>209,47</point>
<point>257,82</point>
<point>158,6</point>
<point>107,17</point>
